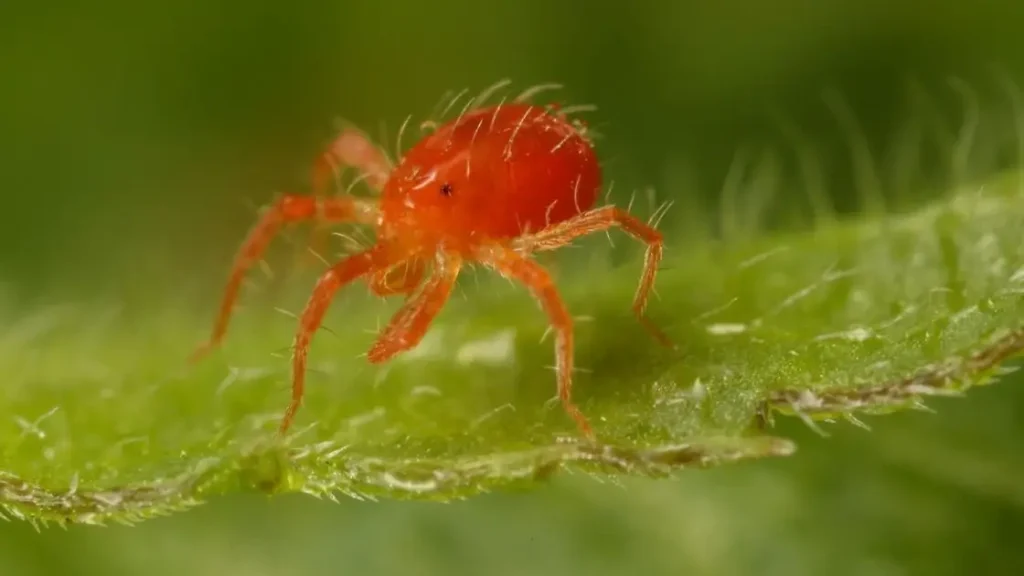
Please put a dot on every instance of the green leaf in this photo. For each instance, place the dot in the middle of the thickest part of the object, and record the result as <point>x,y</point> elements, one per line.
<point>102,420</point>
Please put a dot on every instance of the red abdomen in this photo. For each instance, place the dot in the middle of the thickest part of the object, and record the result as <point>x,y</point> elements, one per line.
<point>551,172</point>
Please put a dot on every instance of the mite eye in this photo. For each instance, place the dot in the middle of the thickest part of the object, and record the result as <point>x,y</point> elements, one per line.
<point>446,189</point>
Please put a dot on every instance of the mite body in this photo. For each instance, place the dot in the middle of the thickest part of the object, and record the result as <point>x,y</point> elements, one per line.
<point>494,174</point>
<point>492,186</point>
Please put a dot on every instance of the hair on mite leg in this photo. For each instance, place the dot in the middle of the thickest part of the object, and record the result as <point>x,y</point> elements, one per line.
<point>659,214</point>
<point>294,316</point>
<point>574,370</point>
<point>318,256</point>
<point>286,312</point>
<point>349,242</point>
<point>284,352</point>
<point>377,326</point>
<point>632,200</point>
<point>611,241</point>
<point>361,236</point>
<point>577,319</point>
<point>608,192</point>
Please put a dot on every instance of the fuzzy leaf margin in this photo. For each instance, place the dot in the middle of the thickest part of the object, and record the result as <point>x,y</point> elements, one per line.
<point>101,420</point>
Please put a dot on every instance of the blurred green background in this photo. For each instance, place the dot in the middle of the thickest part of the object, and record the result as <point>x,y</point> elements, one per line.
<point>137,137</point>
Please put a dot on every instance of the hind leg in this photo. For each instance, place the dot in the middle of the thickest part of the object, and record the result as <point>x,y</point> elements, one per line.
<point>598,220</point>
<point>515,266</point>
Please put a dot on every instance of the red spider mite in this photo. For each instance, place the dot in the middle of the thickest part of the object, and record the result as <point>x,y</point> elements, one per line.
<point>492,186</point>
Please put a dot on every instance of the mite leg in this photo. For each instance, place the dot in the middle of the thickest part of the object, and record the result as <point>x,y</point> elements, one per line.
<point>514,266</point>
<point>288,209</point>
<point>338,276</point>
<point>408,326</point>
<point>401,279</point>
<point>563,233</point>
<point>352,148</point>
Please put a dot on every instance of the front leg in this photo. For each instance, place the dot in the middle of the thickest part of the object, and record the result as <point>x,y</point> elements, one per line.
<point>288,209</point>
<point>340,275</point>
<point>600,219</point>
<point>408,326</point>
